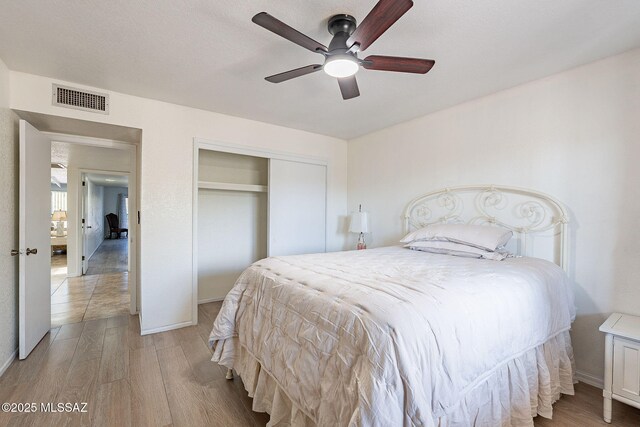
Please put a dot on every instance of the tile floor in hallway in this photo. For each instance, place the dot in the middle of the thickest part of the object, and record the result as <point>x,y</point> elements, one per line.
<point>103,292</point>
<point>110,257</point>
<point>58,270</point>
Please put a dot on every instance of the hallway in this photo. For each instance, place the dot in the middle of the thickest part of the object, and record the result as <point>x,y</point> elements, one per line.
<point>103,292</point>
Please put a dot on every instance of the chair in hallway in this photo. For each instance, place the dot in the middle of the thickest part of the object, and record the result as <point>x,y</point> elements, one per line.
<point>114,226</point>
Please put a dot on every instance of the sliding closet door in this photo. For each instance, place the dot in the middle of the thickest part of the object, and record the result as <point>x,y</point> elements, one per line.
<point>297,207</point>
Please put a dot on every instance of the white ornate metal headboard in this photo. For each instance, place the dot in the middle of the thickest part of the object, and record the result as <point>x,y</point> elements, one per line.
<point>538,221</point>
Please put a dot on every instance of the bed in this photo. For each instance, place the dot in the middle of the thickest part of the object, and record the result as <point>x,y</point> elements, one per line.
<point>395,337</point>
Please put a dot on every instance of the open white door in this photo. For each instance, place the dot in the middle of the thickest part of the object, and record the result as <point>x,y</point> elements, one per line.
<point>34,238</point>
<point>84,217</point>
<point>297,207</point>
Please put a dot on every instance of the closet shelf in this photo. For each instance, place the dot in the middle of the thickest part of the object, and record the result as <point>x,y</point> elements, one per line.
<point>229,186</point>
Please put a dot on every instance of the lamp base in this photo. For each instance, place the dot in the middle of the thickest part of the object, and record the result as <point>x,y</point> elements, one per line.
<point>60,229</point>
<point>361,244</point>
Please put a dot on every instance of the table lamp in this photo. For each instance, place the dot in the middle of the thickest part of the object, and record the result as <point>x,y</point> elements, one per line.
<point>59,217</point>
<point>359,223</point>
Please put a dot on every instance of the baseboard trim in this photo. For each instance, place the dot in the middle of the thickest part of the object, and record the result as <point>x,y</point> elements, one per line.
<point>6,364</point>
<point>166,328</point>
<point>94,251</point>
<point>204,301</point>
<point>586,378</point>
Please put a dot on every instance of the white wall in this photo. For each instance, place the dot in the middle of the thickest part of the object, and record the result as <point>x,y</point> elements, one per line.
<point>166,181</point>
<point>94,222</point>
<point>8,223</point>
<point>232,234</point>
<point>111,204</point>
<point>573,135</point>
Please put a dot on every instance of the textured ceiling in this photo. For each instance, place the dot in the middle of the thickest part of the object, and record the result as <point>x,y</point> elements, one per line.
<point>108,180</point>
<point>208,54</point>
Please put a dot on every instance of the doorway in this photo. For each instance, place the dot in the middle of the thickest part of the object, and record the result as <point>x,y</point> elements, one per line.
<point>58,226</point>
<point>105,229</point>
<point>41,230</point>
<point>93,277</point>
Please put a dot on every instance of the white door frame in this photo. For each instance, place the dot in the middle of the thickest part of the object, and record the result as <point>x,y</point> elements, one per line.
<point>134,203</point>
<point>133,225</point>
<point>227,147</point>
<point>81,238</point>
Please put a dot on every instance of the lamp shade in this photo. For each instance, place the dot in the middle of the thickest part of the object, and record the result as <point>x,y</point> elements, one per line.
<point>59,216</point>
<point>359,222</point>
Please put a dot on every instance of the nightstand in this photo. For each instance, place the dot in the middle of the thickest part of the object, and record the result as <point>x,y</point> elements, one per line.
<point>621,361</point>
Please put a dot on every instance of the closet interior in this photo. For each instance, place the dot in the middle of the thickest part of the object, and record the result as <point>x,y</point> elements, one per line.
<point>250,207</point>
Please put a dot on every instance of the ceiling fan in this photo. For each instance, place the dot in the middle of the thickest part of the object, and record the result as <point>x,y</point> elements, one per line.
<point>341,57</point>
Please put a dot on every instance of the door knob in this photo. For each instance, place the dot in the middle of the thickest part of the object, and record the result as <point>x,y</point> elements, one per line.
<point>32,251</point>
<point>88,226</point>
<point>15,252</point>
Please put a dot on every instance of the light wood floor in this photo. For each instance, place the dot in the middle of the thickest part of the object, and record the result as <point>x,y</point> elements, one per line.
<point>585,410</point>
<point>127,379</point>
<point>168,379</point>
<point>102,293</point>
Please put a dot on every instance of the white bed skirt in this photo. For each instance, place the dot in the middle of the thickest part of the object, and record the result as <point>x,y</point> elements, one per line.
<point>511,395</point>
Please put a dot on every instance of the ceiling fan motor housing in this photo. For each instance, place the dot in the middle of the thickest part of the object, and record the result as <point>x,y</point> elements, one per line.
<point>341,27</point>
<point>341,23</point>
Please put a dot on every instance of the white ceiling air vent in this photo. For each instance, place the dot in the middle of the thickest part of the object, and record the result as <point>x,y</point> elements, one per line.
<point>64,96</point>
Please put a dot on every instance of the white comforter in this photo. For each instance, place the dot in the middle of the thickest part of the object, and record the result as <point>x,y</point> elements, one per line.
<point>389,336</point>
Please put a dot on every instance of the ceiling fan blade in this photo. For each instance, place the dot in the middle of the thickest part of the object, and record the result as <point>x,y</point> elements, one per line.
<point>292,74</point>
<point>397,63</point>
<point>280,28</point>
<point>348,87</point>
<point>382,16</point>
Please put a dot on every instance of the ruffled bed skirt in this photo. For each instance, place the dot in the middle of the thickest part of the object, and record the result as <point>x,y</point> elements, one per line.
<point>510,395</point>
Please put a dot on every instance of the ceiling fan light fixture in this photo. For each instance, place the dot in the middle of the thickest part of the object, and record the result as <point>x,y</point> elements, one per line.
<point>341,57</point>
<point>341,66</point>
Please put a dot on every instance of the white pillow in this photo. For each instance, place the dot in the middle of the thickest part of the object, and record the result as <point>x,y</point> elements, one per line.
<point>456,249</point>
<point>480,236</point>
